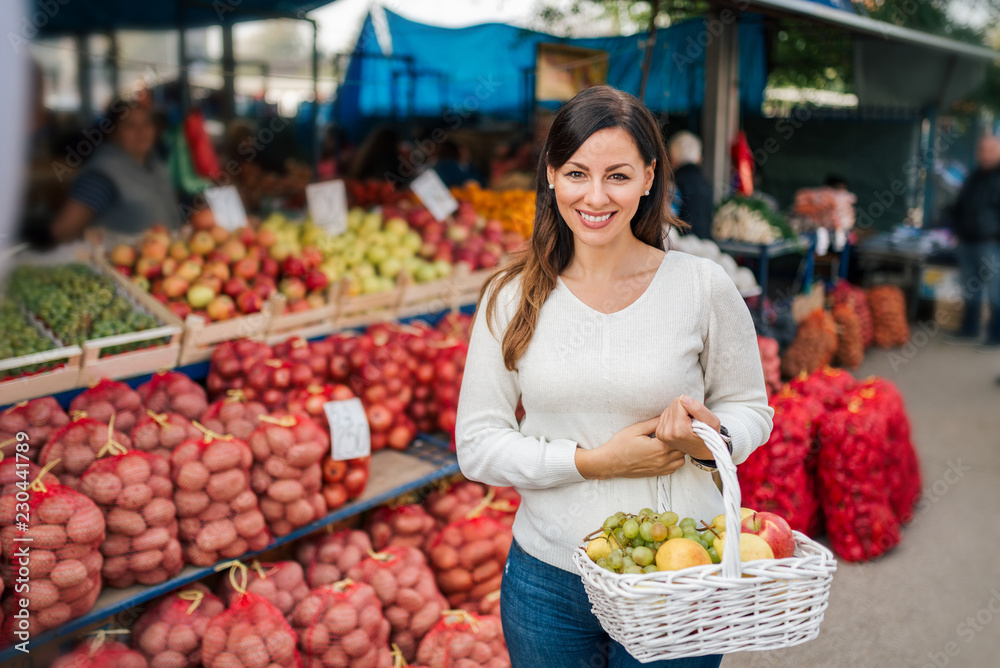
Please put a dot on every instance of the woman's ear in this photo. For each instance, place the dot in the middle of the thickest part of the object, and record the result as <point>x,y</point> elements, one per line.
<point>650,173</point>
<point>550,175</point>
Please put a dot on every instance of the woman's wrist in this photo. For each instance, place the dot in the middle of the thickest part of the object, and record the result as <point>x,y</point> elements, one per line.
<point>588,464</point>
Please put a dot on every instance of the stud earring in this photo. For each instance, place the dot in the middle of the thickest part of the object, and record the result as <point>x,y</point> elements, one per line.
<point>552,186</point>
<point>646,193</point>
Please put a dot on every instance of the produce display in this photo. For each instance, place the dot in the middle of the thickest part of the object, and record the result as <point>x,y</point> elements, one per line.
<point>464,639</point>
<point>77,445</point>
<point>231,362</point>
<point>173,392</point>
<point>327,559</point>
<point>888,307</point>
<point>814,346</point>
<point>823,207</point>
<point>344,480</point>
<point>749,220</point>
<point>39,417</point>
<point>342,625</point>
<point>19,337</point>
<point>77,304</point>
<point>94,653</point>
<point>251,632</point>
<point>107,398</point>
<point>514,209</point>
<point>161,433</point>
<point>169,634</point>
<point>468,557</point>
<point>402,526</point>
<point>283,583</point>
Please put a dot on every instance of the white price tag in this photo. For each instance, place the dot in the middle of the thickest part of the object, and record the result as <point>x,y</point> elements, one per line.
<point>227,207</point>
<point>328,205</point>
<point>351,437</point>
<point>434,194</point>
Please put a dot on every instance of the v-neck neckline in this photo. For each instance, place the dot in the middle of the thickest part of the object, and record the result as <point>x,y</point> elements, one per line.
<point>659,269</point>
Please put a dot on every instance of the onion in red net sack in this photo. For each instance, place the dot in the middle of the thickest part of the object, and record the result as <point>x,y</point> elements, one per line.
<point>66,530</point>
<point>283,583</point>
<point>461,639</point>
<point>405,585</point>
<point>161,433</point>
<point>344,480</point>
<point>134,492</point>
<point>326,559</point>
<point>309,363</point>
<point>98,652</point>
<point>109,397</point>
<point>234,415</point>
<point>468,557</point>
<point>342,625</point>
<point>402,526</point>
<point>269,381</point>
<point>854,481</point>
<point>217,511</point>
<point>38,418</point>
<point>251,632</point>
<point>287,473</point>
<point>450,503</point>
<point>829,385</point>
<point>173,392</point>
<point>230,363</point>
<point>78,444</point>
<point>169,634</point>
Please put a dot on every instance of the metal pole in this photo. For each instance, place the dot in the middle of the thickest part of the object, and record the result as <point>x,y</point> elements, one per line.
<point>228,74</point>
<point>182,73</point>
<point>647,60</point>
<point>83,79</point>
<point>929,156</point>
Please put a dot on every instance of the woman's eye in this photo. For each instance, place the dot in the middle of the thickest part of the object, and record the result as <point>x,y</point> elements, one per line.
<point>618,177</point>
<point>574,175</point>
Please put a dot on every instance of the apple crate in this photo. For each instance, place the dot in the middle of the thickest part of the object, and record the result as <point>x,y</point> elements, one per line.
<point>63,377</point>
<point>430,297</point>
<point>362,310</point>
<point>734,606</point>
<point>307,324</point>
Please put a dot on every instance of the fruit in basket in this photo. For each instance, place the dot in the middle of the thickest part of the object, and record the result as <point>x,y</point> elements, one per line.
<point>680,553</point>
<point>752,547</point>
<point>774,530</point>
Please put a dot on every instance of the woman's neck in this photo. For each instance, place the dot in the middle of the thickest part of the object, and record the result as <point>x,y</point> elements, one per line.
<point>624,257</point>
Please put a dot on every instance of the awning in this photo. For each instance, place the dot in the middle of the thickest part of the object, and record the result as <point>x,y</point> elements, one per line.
<point>97,16</point>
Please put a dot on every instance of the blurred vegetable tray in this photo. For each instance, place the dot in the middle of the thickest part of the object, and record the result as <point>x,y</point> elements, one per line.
<point>342,311</point>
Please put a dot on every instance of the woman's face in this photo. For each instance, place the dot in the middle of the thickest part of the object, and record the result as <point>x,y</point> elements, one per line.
<point>136,133</point>
<point>599,188</point>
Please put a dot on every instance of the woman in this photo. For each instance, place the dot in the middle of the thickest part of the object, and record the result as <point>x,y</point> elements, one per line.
<point>123,187</point>
<point>613,346</point>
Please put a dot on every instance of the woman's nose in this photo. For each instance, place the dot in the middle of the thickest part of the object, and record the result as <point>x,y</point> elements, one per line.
<point>597,194</point>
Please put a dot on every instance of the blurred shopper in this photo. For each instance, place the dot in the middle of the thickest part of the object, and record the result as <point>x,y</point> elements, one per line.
<point>692,191</point>
<point>454,165</point>
<point>975,220</point>
<point>124,187</point>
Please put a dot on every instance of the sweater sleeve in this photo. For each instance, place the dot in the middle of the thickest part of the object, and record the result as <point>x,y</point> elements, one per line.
<point>489,445</point>
<point>734,377</point>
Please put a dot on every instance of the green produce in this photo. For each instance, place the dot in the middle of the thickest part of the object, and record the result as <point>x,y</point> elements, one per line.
<point>18,337</point>
<point>631,543</point>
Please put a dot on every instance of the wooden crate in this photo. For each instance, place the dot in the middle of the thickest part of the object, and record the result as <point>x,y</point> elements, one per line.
<point>363,310</point>
<point>201,337</point>
<point>41,384</point>
<point>132,363</point>
<point>307,324</point>
<point>424,298</point>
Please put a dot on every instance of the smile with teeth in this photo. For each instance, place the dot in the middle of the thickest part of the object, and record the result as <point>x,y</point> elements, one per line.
<point>595,219</point>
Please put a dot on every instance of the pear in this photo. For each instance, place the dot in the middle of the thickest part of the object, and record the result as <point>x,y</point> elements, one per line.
<point>599,548</point>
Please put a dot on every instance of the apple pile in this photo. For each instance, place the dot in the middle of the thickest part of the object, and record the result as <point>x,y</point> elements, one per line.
<point>230,363</point>
<point>344,480</point>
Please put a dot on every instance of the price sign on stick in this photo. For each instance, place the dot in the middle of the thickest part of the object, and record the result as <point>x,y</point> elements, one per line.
<point>434,194</point>
<point>349,429</point>
<point>328,205</point>
<point>227,207</point>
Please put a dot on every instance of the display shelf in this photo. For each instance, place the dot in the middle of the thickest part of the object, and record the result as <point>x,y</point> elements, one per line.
<point>764,253</point>
<point>393,474</point>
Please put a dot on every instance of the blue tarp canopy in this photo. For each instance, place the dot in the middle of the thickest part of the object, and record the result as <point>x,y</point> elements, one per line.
<point>95,16</point>
<point>424,70</point>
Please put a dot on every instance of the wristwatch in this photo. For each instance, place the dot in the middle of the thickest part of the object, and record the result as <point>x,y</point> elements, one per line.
<point>709,464</point>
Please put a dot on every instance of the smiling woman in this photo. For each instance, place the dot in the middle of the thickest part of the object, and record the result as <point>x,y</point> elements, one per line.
<point>613,347</point>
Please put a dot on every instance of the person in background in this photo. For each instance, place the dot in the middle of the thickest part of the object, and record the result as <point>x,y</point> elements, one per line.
<point>692,191</point>
<point>454,165</point>
<point>124,187</point>
<point>975,220</point>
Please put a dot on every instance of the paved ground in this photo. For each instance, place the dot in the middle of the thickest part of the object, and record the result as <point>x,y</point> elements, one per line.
<point>935,600</point>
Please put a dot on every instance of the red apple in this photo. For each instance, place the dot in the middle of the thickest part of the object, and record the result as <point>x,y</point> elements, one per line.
<point>221,308</point>
<point>293,288</point>
<point>235,286</point>
<point>148,267</point>
<point>246,268</point>
<point>249,301</point>
<point>269,267</point>
<point>219,234</point>
<point>266,238</point>
<point>175,287</point>
<point>181,309</point>
<point>202,243</point>
<point>246,236</point>
<point>774,530</point>
<point>379,417</point>
<point>154,249</point>
<point>202,219</point>
<point>316,280</point>
<point>123,255</point>
<point>235,249</point>
<point>216,268</point>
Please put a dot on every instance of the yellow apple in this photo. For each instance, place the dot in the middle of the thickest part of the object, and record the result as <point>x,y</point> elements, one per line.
<point>678,553</point>
<point>752,547</point>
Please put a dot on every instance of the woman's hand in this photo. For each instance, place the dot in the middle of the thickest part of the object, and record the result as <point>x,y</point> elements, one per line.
<point>631,453</point>
<point>674,429</point>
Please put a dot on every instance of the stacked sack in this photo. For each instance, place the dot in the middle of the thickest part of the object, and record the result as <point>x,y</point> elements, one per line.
<point>890,325</point>
<point>328,558</point>
<point>814,346</point>
<point>38,418</point>
<point>251,632</point>
<point>173,392</point>
<point>107,398</point>
<point>342,626</point>
<point>77,445</point>
<point>161,433</point>
<point>170,633</point>
<point>468,557</point>
<point>235,415</point>
<point>461,639</point>
<point>283,583</point>
<point>98,652</point>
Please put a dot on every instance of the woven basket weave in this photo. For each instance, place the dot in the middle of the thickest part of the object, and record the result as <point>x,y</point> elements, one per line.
<point>729,607</point>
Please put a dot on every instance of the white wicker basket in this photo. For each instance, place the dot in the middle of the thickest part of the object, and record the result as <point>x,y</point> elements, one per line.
<point>729,607</point>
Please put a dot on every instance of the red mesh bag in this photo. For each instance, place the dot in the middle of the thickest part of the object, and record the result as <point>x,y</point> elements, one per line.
<point>287,474</point>
<point>344,480</point>
<point>850,347</point>
<point>405,585</point>
<point>309,363</point>
<point>230,363</point>
<point>905,481</point>
<point>173,392</point>
<point>283,583</point>
<point>269,382</point>
<point>328,558</point>
<point>814,346</point>
<point>310,400</point>
<point>134,492</point>
<point>464,640</point>
<point>217,511</point>
<point>490,605</point>
<point>235,415</point>
<point>169,634</point>
<point>468,557</point>
<point>101,653</point>
<point>845,293</point>
<point>829,386</point>
<point>161,433</point>
<point>854,481</point>
<point>66,530</point>
<point>402,526</point>
<point>451,503</point>
<point>342,625</point>
<point>251,632</point>
<point>107,398</point>
<point>502,505</point>
<point>775,477</point>
<point>16,474</point>
<point>78,444</point>
<point>889,321</point>
<point>39,418</point>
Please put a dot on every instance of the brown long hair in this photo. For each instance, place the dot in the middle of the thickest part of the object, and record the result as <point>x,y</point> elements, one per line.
<point>551,247</point>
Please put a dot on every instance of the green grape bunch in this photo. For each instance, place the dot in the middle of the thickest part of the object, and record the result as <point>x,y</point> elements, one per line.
<point>628,543</point>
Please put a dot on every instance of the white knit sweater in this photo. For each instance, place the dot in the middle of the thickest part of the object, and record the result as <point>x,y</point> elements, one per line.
<point>585,376</point>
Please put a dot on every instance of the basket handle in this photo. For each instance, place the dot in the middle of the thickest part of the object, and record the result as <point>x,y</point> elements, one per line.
<point>731,565</point>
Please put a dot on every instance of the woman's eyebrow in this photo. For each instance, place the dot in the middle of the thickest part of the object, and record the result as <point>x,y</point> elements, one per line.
<point>609,169</point>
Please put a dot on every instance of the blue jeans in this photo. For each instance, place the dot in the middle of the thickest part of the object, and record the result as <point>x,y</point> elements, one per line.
<point>979,269</point>
<point>547,622</point>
